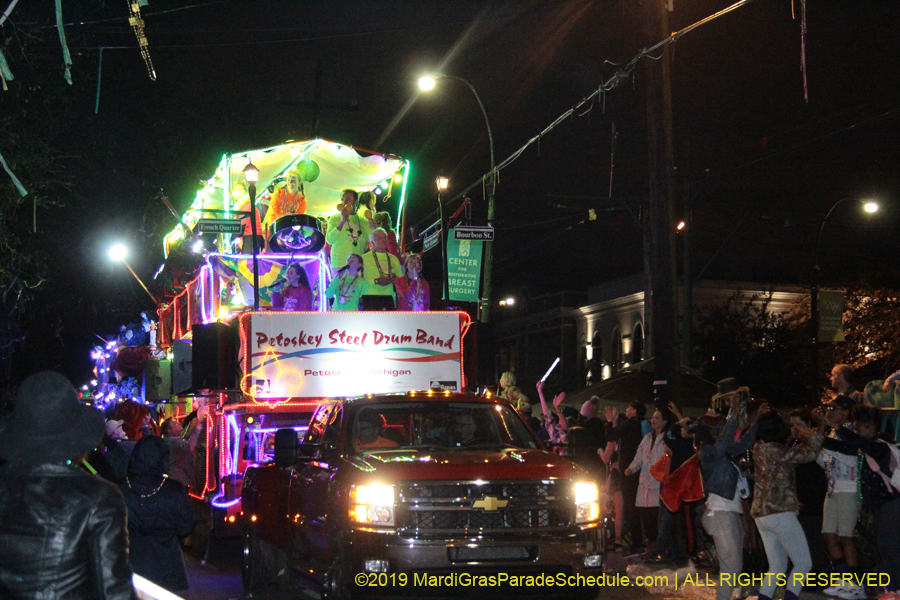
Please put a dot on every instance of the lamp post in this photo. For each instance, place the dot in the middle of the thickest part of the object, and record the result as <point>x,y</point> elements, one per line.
<point>869,207</point>
<point>118,253</point>
<point>252,175</point>
<point>427,83</point>
<point>442,184</point>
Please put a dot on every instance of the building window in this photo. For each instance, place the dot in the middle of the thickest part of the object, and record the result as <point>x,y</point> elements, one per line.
<point>637,344</point>
<point>597,348</point>
<point>618,358</point>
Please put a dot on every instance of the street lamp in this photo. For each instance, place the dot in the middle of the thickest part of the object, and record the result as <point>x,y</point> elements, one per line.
<point>427,83</point>
<point>251,173</point>
<point>442,184</point>
<point>118,253</point>
<point>869,207</point>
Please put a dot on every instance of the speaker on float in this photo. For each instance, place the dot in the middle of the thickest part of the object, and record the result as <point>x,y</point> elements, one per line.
<point>214,354</point>
<point>181,366</point>
<point>157,380</point>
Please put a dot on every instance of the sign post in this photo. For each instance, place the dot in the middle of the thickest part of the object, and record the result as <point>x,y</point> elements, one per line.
<point>464,266</point>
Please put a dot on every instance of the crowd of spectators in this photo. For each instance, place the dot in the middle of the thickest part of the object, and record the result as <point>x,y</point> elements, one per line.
<point>743,486</point>
<point>85,501</point>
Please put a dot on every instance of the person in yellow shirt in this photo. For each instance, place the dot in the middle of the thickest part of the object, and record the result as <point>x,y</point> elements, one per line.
<point>380,268</point>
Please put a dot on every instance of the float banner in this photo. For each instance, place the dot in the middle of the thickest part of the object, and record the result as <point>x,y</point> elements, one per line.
<point>463,268</point>
<point>336,354</point>
<point>831,316</point>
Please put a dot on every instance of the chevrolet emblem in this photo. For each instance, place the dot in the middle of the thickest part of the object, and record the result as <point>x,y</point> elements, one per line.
<point>490,503</point>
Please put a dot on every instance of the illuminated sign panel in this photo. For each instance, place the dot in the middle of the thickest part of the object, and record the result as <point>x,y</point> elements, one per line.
<point>351,353</point>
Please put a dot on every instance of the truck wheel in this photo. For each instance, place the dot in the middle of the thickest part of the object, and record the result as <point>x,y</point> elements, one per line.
<point>256,565</point>
<point>337,585</point>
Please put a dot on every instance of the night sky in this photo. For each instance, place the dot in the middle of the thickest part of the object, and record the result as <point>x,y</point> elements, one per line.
<point>760,165</point>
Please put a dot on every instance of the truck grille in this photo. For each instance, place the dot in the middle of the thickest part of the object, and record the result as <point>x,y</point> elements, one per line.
<point>450,507</point>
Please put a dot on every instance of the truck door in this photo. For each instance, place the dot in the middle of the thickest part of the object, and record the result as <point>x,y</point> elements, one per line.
<point>309,496</point>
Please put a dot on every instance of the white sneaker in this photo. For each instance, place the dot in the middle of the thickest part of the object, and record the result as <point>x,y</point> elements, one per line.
<point>833,590</point>
<point>852,592</point>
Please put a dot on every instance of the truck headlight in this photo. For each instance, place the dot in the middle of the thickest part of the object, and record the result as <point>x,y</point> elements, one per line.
<point>587,502</point>
<point>372,504</point>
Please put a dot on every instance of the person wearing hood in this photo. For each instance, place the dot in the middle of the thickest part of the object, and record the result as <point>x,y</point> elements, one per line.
<point>62,531</point>
<point>159,513</point>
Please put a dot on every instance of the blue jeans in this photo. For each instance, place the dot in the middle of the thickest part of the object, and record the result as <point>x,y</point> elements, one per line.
<point>727,532</point>
<point>783,538</point>
<point>667,540</point>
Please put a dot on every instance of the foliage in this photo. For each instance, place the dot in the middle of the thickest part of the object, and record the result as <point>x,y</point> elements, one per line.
<point>763,349</point>
<point>872,330</point>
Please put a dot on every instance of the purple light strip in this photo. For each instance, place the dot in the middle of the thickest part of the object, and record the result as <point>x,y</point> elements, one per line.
<point>218,504</point>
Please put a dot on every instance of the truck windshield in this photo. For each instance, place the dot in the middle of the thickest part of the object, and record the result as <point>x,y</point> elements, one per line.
<point>437,426</point>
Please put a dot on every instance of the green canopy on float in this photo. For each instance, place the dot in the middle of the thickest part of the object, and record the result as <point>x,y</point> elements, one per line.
<point>325,167</point>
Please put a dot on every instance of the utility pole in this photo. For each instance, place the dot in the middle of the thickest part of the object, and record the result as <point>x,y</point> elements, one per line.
<point>661,217</point>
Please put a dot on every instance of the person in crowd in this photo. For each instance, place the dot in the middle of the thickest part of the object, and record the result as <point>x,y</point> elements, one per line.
<point>812,485</point>
<point>380,268</point>
<point>118,448</point>
<point>840,511</point>
<point>413,292</point>
<point>182,446</point>
<point>346,288</point>
<point>159,514</point>
<point>507,379</point>
<point>878,487</point>
<point>627,435</point>
<point>369,427</point>
<point>383,220</point>
<point>610,457</point>
<point>288,199</point>
<point>648,453</point>
<point>722,517</point>
<point>679,447</point>
<point>588,438</point>
<point>553,424</point>
<point>842,381</point>
<point>62,531</point>
<point>294,294</point>
<point>347,232</point>
<point>774,505</point>
<point>135,419</point>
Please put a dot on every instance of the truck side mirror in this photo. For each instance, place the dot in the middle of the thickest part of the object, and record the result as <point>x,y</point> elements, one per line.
<point>285,447</point>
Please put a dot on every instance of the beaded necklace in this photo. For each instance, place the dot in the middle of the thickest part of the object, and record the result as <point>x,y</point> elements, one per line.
<point>344,291</point>
<point>354,236</point>
<point>153,493</point>
<point>378,264</point>
<point>414,299</point>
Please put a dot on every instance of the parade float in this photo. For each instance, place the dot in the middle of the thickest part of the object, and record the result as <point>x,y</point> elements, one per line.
<point>218,342</point>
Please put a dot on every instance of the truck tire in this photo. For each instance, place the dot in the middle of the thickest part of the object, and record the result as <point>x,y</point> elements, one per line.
<point>337,582</point>
<point>257,565</point>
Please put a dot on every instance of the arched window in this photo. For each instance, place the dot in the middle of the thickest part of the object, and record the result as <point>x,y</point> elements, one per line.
<point>597,348</point>
<point>637,344</point>
<point>618,359</point>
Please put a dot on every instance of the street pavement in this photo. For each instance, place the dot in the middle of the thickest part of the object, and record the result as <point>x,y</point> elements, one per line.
<point>219,578</point>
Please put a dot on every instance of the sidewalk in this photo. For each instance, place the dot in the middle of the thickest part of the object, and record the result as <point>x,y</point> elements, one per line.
<point>701,582</point>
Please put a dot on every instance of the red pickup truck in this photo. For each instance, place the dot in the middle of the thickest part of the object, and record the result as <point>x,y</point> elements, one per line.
<point>396,491</point>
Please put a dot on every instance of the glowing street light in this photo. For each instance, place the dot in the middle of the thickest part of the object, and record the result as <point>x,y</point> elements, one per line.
<point>442,184</point>
<point>251,173</point>
<point>869,207</point>
<point>118,253</point>
<point>427,83</point>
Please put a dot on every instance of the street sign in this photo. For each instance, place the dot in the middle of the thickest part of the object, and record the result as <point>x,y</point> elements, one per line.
<point>432,240</point>
<point>219,226</point>
<point>831,316</point>
<point>463,268</point>
<point>474,232</point>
